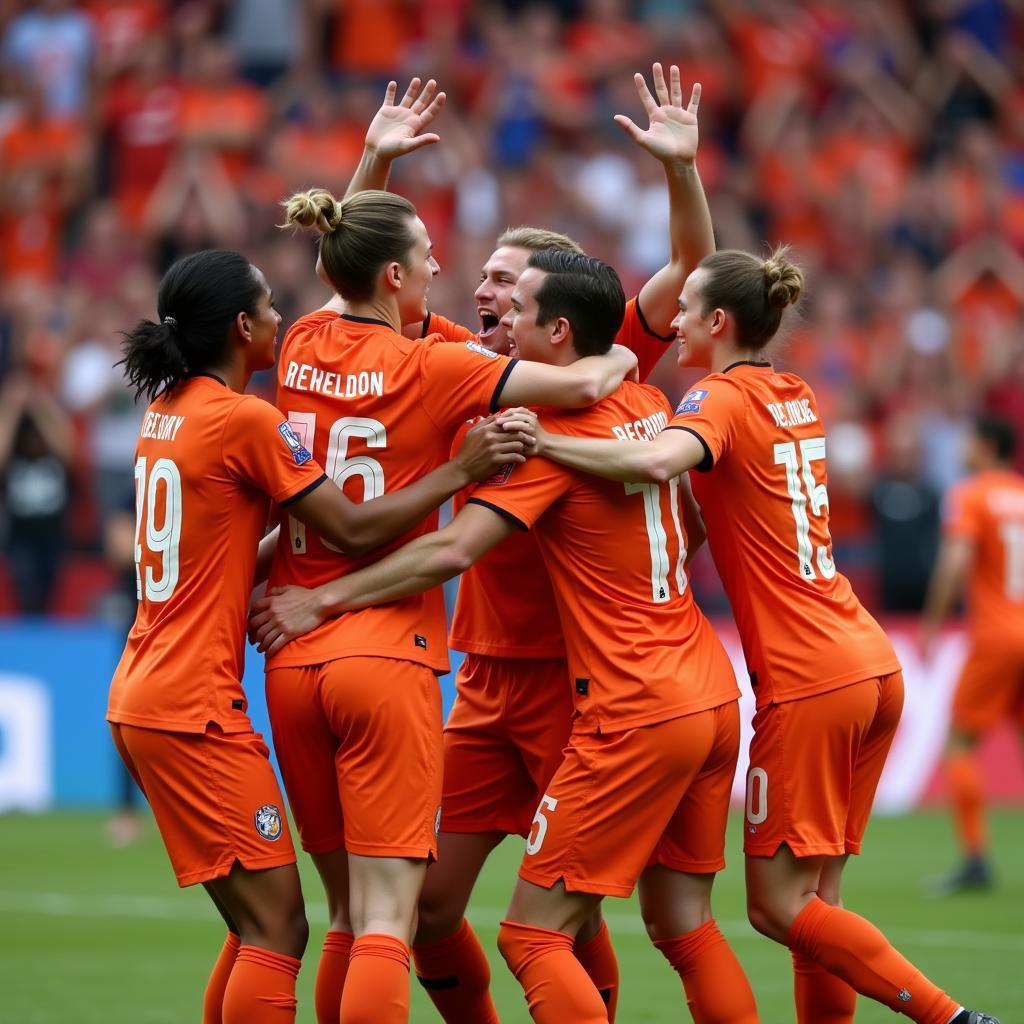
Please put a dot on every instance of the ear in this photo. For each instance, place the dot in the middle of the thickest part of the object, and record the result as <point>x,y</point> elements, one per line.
<point>394,275</point>
<point>244,327</point>
<point>561,331</point>
<point>717,324</point>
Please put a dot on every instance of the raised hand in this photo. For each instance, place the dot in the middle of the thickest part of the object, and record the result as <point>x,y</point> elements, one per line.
<point>397,128</point>
<point>672,132</point>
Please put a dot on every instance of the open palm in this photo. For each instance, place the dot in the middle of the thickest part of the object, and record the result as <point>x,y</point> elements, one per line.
<point>397,128</point>
<point>672,132</point>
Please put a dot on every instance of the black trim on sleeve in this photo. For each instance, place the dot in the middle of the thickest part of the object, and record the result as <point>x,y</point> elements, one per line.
<point>514,520</point>
<point>708,462</point>
<point>426,325</point>
<point>747,362</point>
<point>364,320</point>
<point>647,327</point>
<point>308,489</point>
<point>500,386</point>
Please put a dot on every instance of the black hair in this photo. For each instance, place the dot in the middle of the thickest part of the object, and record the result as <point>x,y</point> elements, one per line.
<point>584,290</point>
<point>197,302</point>
<point>998,434</point>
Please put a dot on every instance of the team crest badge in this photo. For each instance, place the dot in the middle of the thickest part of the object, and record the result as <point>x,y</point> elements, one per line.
<point>692,400</point>
<point>268,822</point>
<point>475,346</point>
<point>300,453</point>
<point>501,477</point>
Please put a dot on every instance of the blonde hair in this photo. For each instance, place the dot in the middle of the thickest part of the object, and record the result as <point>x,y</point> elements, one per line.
<point>755,291</point>
<point>358,235</point>
<point>525,237</point>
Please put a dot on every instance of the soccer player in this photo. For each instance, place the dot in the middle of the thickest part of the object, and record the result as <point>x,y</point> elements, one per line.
<point>355,705</point>
<point>208,461</point>
<point>984,548</point>
<point>828,687</point>
<point>511,719</point>
<point>642,791</point>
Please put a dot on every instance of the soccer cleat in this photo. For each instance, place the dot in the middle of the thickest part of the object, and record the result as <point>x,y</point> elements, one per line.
<point>974,1017</point>
<point>974,873</point>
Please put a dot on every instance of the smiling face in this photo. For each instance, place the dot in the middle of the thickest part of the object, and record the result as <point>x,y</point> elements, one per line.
<point>494,295</point>
<point>263,324</point>
<point>527,338</point>
<point>416,277</point>
<point>692,327</point>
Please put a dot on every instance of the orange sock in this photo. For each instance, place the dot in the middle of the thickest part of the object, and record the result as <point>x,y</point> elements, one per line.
<point>456,975</point>
<point>261,989</point>
<point>330,976</point>
<point>597,955</point>
<point>967,797</point>
<point>213,999</point>
<point>556,985</point>
<point>821,998</point>
<point>856,951</point>
<point>717,990</point>
<point>377,986</point>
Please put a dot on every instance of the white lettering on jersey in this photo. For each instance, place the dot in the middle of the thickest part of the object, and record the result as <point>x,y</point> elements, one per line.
<point>792,413</point>
<point>645,429</point>
<point>303,377</point>
<point>161,426</point>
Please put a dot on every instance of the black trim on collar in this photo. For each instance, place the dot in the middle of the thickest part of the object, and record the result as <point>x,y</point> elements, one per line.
<point>500,386</point>
<point>364,320</point>
<point>746,362</point>
<point>504,513</point>
<point>707,463</point>
<point>308,489</point>
<point>426,325</point>
<point>647,327</point>
<point>212,376</point>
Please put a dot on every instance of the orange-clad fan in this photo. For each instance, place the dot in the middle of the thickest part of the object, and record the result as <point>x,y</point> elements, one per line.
<point>984,550</point>
<point>828,685</point>
<point>209,461</point>
<point>642,789</point>
<point>355,706</point>
<point>512,715</point>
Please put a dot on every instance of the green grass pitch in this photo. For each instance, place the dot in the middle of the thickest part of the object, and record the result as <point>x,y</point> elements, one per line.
<point>103,936</point>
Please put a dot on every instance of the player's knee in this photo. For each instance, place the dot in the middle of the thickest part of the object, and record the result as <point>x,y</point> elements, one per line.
<point>437,917</point>
<point>509,946</point>
<point>769,918</point>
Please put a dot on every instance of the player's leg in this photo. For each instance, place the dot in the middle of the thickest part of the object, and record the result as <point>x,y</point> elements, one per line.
<point>675,888</point>
<point>306,749</point>
<point>213,996</point>
<point>386,716</point>
<point>852,729</point>
<point>539,720</point>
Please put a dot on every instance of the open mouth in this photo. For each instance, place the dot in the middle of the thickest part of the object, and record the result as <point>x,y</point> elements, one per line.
<point>488,323</point>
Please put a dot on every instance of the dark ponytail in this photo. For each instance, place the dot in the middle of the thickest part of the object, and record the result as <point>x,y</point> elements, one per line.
<point>199,298</point>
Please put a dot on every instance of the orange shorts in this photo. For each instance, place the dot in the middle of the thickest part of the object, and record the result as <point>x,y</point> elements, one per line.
<point>503,741</point>
<point>815,765</point>
<point>620,802</point>
<point>358,741</point>
<point>215,798</point>
<point>991,689</point>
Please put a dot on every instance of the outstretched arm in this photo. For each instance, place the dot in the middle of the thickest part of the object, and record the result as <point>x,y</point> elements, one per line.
<point>360,527</point>
<point>424,563</point>
<point>576,386</point>
<point>670,454</point>
<point>396,129</point>
<point>671,138</point>
<point>945,587</point>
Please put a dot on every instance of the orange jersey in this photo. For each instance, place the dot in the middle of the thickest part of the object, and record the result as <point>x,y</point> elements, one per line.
<point>988,510</point>
<point>379,411</point>
<point>448,329</point>
<point>639,649</point>
<point>505,606</point>
<point>207,464</point>
<point>765,507</point>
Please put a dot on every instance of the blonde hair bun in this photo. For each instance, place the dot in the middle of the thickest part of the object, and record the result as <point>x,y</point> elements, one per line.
<point>784,280</point>
<point>315,207</point>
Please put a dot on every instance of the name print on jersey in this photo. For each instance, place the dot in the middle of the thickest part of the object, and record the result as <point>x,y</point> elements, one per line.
<point>647,428</point>
<point>304,377</point>
<point>161,426</point>
<point>792,413</point>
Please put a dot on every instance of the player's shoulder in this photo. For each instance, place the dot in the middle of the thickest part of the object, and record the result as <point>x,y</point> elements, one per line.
<point>632,408</point>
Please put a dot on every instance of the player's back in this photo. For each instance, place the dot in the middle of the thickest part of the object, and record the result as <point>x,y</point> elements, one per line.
<point>988,509</point>
<point>206,468</point>
<point>378,411</point>
<point>639,649</point>
<point>765,506</point>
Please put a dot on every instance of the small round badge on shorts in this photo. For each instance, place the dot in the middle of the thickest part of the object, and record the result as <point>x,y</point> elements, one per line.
<point>268,822</point>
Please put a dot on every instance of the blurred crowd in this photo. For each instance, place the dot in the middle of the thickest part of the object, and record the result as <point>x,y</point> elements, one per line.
<point>883,139</point>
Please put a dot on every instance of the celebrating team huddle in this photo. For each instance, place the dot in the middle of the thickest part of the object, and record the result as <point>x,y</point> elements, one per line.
<point>596,711</point>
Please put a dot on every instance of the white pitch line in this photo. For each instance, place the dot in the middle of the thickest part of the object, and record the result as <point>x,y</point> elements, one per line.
<point>62,904</point>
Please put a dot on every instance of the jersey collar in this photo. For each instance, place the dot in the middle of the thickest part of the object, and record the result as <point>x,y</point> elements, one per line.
<point>365,320</point>
<point>212,376</point>
<point>747,362</point>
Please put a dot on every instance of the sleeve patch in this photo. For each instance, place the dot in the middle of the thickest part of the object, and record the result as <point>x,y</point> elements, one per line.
<point>475,346</point>
<point>692,401</point>
<point>300,453</point>
<point>501,477</point>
